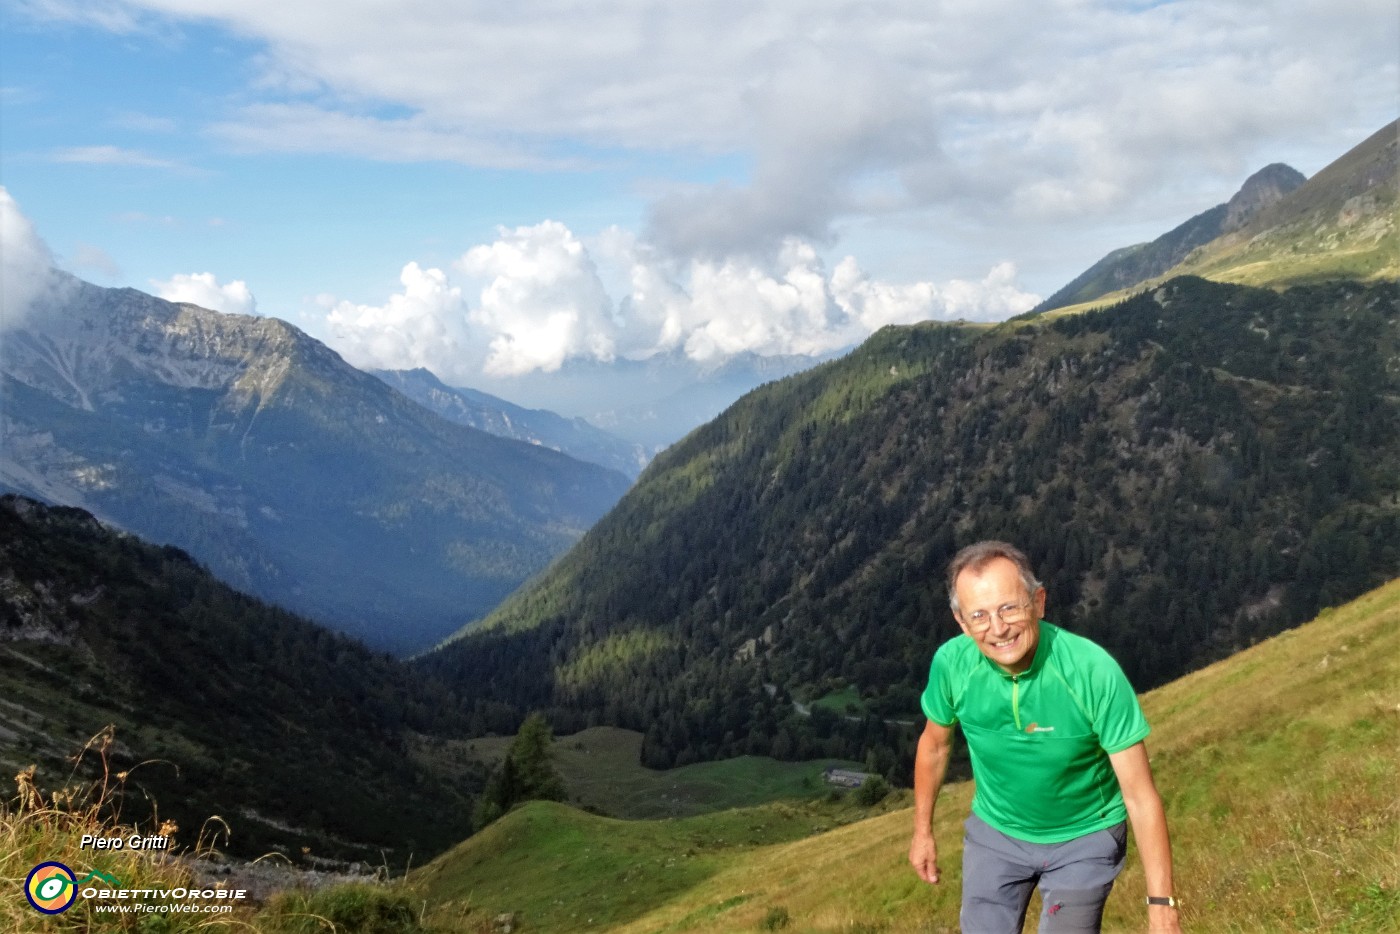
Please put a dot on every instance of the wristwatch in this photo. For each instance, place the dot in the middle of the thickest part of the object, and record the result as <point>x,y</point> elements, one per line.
<point>1160,900</point>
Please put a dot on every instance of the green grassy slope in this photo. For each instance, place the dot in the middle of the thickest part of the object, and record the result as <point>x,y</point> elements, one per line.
<point>602,771</point>
<point>1276,766</point>
<point>1341,224</point>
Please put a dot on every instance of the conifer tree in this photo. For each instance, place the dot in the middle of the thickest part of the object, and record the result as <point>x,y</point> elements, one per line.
<point>526,774</point>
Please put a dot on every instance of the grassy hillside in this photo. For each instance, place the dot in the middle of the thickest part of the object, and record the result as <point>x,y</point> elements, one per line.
<point>602,771</point>
<point>1276,765</point>
<point>1340,224</point>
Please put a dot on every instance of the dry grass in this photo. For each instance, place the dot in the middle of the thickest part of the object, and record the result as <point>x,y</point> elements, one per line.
<point>37,827</point>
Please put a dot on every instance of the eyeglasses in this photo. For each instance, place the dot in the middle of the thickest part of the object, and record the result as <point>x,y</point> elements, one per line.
<point>1008,613</point>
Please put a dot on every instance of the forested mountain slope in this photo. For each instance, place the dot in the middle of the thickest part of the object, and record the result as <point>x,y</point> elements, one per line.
<point>295,736</point>
<point>1191,470</point>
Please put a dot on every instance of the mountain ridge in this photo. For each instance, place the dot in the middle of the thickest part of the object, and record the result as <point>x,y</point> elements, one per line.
<point>291,474</point>
<point>1127,266</point>
<point>1338,225</point>
<point>476,409</point>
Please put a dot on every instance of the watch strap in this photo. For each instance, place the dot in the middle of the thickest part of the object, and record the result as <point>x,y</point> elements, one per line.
<point>1167,900</point>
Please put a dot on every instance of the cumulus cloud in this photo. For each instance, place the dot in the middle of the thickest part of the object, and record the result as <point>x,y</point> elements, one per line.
<point>876,304</point>
<point>542,302</point>
<point>26,264</point>
<point>202,289</point>
<point>425,325</point>
<point>539,297</point>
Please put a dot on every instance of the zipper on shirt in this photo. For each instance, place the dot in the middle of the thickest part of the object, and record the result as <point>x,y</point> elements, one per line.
<point>1016,700</point>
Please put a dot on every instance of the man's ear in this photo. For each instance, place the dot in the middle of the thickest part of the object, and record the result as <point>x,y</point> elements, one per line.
<point>1039,600</point>
<point>957,618</point>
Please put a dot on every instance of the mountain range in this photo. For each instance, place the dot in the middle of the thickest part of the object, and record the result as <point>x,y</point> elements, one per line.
<point>1190,469</point>
<point>290,474</point>
<point>1339,224</point>
<point>654,401</point>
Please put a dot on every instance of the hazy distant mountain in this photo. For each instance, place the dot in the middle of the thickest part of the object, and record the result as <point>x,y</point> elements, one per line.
<point>573,436</point>
<point>699,393</point>
<point>653,402</point>
<point>1128,266</point>
<point>289,473</point>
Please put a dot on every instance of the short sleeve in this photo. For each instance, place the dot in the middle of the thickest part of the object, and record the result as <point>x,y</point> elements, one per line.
<point>1118,717</point>
<point>937,699</point>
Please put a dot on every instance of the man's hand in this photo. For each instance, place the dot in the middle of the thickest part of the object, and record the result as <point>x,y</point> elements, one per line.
<point>923,856</point>
<point>1162,919</point>
<point>930,765</point>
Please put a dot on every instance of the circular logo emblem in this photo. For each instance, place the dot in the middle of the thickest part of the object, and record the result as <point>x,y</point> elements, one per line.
<point>51,888</point>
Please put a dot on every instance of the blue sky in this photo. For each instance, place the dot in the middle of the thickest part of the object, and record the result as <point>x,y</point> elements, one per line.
<point>494,190</point>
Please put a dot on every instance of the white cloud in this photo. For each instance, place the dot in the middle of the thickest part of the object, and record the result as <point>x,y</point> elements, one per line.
<point>112,155</point>
<point>89,260</point>
<point>876,304</point>
<point>537,299</point>
<point>425,325</point>
<point>1031,113</point>
<point>26,264</point>
<point>543,301</point>
<point>202,289</point>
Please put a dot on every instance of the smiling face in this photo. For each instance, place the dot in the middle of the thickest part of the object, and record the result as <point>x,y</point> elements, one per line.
<point>987,588</point>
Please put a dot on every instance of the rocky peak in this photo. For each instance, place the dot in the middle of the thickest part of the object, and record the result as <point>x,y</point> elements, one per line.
<point>1260,190</point>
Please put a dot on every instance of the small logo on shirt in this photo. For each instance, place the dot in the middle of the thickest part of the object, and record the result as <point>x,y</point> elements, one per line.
<point>1037,728</point>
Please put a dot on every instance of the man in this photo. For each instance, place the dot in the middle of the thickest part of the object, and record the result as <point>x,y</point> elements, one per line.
<point>1055,735</point>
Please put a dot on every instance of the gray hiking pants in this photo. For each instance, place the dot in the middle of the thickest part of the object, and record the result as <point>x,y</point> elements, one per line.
<point>1075,877</point>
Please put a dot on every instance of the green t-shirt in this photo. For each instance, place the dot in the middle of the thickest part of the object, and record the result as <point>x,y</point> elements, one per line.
<point>1039,740</point>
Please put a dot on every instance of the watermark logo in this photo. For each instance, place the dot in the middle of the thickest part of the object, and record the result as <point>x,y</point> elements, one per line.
<point>52,888</point>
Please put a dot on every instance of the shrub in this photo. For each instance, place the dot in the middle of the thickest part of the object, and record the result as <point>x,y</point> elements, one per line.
<point>872,791</point>
<point>354,907</point>
<point>776,919</point>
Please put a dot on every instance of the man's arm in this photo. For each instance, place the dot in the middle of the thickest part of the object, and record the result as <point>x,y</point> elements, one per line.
<point>1149,822</point>
<point>930,766</point>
